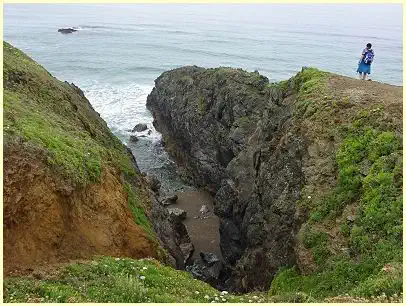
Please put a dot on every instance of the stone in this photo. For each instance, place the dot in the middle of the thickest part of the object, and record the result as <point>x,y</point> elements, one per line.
<point>66,30</point>
<point>169,199</point>
<point>209,258</point>
<point>364,167</point>
<point>133,138</point>
<point>351,218</point>
<point>206,268</point>
<point>177,213</point>
<point>187,249</point>
<point>204,209</point>
<point>153,182</point>
<point>140,127</point>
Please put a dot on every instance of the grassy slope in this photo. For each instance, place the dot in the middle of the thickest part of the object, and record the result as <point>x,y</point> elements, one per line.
<point>369,177</point>
<point>107,279</point>
<point>53,115</point>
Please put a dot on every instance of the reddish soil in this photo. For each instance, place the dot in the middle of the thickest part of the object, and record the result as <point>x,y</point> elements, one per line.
<point>47,221</point>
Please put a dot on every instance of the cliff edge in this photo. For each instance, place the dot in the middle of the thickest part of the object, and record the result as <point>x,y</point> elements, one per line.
<point>306,173</point>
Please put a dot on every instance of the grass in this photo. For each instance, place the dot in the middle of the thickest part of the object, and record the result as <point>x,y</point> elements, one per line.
<point>310,85</point>
<point>202,105</point>
<point>107,279</point>
<point>52,114</point>
<point>317,241</point>
<point>72,150</point>
<point>136,206</point>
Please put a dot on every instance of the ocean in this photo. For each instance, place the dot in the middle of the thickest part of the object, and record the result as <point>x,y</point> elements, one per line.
<point>120,49</point>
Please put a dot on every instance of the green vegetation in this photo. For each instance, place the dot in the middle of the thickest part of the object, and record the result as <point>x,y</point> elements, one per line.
<point>202,105</point>
<point>123,280</point>
<point>310,85</point>
<point>369,167</point>
<point>282,85</point>
<point>53,115</point>
<point>108,279</point>
<point>317,241</point>
<point>136,206</point>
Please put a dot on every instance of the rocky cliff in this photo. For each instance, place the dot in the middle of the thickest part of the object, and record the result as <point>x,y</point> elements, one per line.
<point>300,170</point>
<point>71,188</point>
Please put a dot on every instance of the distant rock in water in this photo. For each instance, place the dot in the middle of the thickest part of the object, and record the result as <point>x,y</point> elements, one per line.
<point>133,138</point>
<point>67,30</point>
<point>140,127</point>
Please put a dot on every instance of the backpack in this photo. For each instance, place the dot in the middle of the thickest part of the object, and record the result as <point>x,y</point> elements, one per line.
<point>369,57</point>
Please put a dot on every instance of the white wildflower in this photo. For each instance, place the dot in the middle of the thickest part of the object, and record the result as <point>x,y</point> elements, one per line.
<point>142,277</point>
<point>224,292</point>
<point>206,297</point>
<point>197,292</point>
<point>309,197</point>
<point>144,268</point>
<point>116,258</point>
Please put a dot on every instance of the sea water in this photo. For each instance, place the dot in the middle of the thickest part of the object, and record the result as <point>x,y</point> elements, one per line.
<point>119,49</point>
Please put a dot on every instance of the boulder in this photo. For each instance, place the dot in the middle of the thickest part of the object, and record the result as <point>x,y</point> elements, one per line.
<point>177,213</point>
<point>66,30</point>
<point>169,199</point>
<point>140,127</point>
<point>153,182</point>
<point>204,209</point>
<point>133,138</point>
<point>187,249</point>
<point>206,268</point>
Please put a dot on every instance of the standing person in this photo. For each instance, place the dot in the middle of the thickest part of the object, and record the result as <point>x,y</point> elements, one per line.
<point>364,65</point>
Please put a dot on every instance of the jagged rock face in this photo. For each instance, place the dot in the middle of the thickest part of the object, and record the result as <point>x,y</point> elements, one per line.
<point>236,135</point>
<point>204,116</point>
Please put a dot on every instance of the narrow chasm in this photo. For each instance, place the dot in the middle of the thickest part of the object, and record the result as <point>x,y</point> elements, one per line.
<point>229,132</point>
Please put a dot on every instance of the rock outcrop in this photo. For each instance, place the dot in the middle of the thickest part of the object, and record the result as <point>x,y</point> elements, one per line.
<point>267,152</point>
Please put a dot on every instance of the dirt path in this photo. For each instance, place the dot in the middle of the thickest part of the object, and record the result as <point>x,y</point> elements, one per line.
<point>204,232</point>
